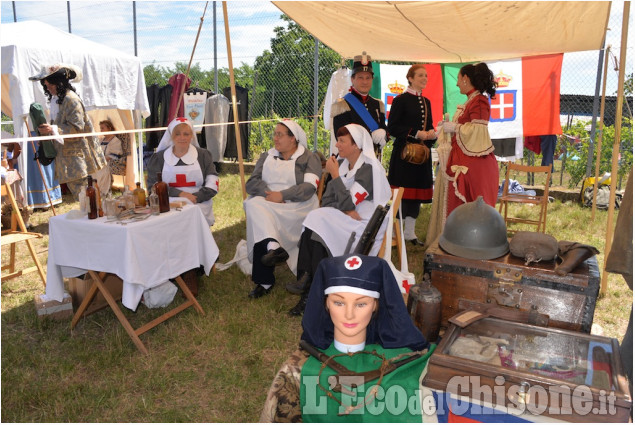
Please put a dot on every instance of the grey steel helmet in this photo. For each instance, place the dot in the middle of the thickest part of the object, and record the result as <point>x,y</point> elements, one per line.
<point>476,231</point>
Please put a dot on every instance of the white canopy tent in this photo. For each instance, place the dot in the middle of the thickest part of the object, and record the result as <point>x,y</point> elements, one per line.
<point>452,31</point>
<point>113,86</point>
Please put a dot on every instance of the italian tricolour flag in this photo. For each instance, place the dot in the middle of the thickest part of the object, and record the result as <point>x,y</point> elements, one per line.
<point>527,101</point>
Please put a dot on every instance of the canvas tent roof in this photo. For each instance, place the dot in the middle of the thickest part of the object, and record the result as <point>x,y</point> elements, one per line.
<point>452,31</point>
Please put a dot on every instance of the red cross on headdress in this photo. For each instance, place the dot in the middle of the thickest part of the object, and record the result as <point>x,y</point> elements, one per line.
<point>317,182</point>
<point>217,185</point>
<point>353,263</point>
<point>360,196</point>
<point>181,119</point>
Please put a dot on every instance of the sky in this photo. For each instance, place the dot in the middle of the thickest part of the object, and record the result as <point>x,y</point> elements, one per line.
<point>166,31</point>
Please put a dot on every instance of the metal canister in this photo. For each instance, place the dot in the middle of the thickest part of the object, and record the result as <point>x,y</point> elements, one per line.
<point>424,306</point>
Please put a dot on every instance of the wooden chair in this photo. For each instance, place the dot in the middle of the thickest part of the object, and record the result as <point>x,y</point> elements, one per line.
<point>320,188</point>
<point>17,233</point>
<point>540,200</point>
<point>396,240</point>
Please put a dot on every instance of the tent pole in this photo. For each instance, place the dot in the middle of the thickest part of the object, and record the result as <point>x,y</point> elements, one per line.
<point>596,100</point>
<point>616,143</point>
<point>232,83</point>
<point>187,72</point>
<point>39,167</point>
<point>601,133</point>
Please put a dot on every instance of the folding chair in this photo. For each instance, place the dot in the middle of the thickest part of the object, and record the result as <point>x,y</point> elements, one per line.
<point>396,240</point>
<point>17,234</point>
<point>540,200</point>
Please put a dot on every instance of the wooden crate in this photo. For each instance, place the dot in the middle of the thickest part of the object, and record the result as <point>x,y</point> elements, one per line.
<point>507,284</point>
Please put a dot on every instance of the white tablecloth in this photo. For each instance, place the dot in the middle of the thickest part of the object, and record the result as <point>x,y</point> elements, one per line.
<point>142,254</point>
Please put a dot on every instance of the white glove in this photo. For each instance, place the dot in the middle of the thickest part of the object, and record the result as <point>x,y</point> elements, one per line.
<point>379,137</point>
<point>449,127</point>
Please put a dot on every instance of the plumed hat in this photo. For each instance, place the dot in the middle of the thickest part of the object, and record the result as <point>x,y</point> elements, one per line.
<point>71,72</point>
<point>297,131</point>
<point>362,63</point>
<point>390,327</point>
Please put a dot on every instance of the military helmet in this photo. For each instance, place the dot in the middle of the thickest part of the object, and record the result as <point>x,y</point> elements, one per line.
<point>476,231</point>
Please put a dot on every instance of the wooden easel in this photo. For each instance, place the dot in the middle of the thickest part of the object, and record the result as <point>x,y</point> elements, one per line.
<point>17,233</point>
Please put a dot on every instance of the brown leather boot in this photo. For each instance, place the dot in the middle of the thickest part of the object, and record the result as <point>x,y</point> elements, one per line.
<point>191,280</point>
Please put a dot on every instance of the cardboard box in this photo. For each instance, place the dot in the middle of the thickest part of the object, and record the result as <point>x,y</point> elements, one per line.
<point>78,289</point>
<point>52,309</point>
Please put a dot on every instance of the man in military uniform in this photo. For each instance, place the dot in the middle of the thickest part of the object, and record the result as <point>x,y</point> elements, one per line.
<point>358,107</point>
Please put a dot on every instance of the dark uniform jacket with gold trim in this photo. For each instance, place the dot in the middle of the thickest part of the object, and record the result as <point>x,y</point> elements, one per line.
<point>343,114</point>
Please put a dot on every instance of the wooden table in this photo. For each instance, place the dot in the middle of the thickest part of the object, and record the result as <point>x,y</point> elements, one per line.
<point>143,254</point>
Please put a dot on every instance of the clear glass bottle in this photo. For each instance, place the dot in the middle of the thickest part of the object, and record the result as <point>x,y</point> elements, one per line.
<point>128,198</point>
<point>153,200</point>
<point>161,189</point>
<point>139,196</point>
<point>91,199</point>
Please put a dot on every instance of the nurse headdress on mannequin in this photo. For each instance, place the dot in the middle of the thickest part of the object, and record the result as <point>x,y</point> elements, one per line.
<point>390,327</point>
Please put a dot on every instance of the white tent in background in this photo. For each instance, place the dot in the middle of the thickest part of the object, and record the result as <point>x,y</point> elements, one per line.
<point>113,85</point>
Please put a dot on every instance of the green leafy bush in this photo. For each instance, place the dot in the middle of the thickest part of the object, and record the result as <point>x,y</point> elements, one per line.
<point>577,168</point>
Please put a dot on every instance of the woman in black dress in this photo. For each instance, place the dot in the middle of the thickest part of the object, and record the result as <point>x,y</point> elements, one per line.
<point>410,120</point>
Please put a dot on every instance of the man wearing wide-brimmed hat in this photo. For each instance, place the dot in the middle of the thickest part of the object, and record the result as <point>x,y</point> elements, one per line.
<point>77,157</point>
<point>358,107</point>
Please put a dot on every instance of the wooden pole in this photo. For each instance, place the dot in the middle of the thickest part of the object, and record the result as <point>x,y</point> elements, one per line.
<point>234,103</point>
<point>187,71</point>
<point>39,167</point>
<point>616,143</point>
<point>601,133</point>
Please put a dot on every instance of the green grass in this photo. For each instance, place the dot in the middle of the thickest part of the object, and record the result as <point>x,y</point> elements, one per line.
<point>212,368</point>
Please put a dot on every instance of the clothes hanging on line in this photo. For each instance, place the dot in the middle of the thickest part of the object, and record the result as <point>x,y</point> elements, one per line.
<point>217,111</point>
<point>242,99</point>
<point>159,102</point>
<point>178,82</point>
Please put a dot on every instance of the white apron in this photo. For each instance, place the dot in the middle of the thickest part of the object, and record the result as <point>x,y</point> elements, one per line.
<point>336,227</point>
<point>188,178</point>
<point>280,221</point>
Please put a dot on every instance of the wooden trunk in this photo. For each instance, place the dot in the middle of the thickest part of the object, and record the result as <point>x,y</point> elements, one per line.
<point>493,367</point>
<point>535,291</point>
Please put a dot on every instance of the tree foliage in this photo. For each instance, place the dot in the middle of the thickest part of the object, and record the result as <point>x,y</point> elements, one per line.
<point>285,74</point>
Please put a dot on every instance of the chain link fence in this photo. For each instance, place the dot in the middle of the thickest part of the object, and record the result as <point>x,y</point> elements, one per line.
<point>276,61</point>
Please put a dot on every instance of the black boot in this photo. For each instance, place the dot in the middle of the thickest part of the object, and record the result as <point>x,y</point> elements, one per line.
<point>298,309</point>
<point>301,285</point>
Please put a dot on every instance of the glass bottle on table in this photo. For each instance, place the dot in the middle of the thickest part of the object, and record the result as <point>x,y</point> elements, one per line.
<point>153,200</point>
<point>100,211</point>
<point>91,199</point>
<point>161,188</point>
<point>128,198</point>
<point>139,196</point>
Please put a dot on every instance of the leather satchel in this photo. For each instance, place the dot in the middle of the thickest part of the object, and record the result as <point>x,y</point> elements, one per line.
<point>46,151</point>
<point>415,152</point>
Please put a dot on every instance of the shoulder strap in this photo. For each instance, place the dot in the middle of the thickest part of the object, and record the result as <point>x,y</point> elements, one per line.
<point>362,112</point>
